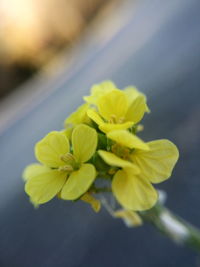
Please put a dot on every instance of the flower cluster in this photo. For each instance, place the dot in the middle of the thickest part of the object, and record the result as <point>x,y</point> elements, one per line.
<point>99,142</point>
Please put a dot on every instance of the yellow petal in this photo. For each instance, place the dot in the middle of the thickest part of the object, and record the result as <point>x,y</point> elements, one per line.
<point>44,186</point>
<point>113,105</point>
<point>79,116</point>
<point>99,90</point>
<point>95,203</point>
<point>84,142</point>
<point>49,150</point>
<point>68,132</point>
<point>133,192</point>
<point>79,182</point>
<point>93,115</point>
<point>33,170</point>
<point>131,218</point>
<point>127,139</point>
<point>132,93</point>
<point>137,109</point>
<point>157,164</point>
<point>108,127</point>
<point>112,160</point>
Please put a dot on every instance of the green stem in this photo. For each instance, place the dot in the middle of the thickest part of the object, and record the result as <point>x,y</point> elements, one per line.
<point>173,226</point>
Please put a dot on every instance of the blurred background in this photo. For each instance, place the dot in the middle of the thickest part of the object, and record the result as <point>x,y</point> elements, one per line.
<point>33,32</point>
<point>51,52</point>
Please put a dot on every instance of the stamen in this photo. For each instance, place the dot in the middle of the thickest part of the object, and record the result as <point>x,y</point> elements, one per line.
<point>113,119</point>
<point>68,158</point>
<point>121,120</point>
<point>120,151</point>
<point>67,168</point>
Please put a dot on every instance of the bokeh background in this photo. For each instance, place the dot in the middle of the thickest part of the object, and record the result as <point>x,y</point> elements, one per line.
<point>51,52</point>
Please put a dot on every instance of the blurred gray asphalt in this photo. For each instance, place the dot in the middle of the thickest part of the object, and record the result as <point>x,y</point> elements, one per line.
<point>159,52</point>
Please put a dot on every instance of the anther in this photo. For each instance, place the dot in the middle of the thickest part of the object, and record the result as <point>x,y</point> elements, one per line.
<point>112,119</point>
<point>121,120</point>
<point>67,158</point>
<point>67,168</point>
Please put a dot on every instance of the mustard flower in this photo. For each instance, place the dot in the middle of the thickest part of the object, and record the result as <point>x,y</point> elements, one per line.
<point>155,161</point>
<point>116,109</point>
<point>132,166</point>
<point>63,172</point>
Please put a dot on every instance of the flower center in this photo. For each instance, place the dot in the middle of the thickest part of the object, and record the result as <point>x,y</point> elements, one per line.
<point>120,151</point>
<point>115,120</point>
<point>67,168</point>
<point>71,163</point>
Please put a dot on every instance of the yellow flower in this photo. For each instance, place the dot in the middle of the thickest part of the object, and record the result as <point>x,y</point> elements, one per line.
<point>118,110</point>
<point>155,161</point>
<point>63,172</point>
<point>132,192</point>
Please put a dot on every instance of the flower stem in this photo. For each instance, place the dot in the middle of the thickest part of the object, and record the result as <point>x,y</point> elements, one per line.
<point>172,226</point>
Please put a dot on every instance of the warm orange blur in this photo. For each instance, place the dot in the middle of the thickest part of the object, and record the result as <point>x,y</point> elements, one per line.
<point>30,30</point>
<point>33,31</point>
